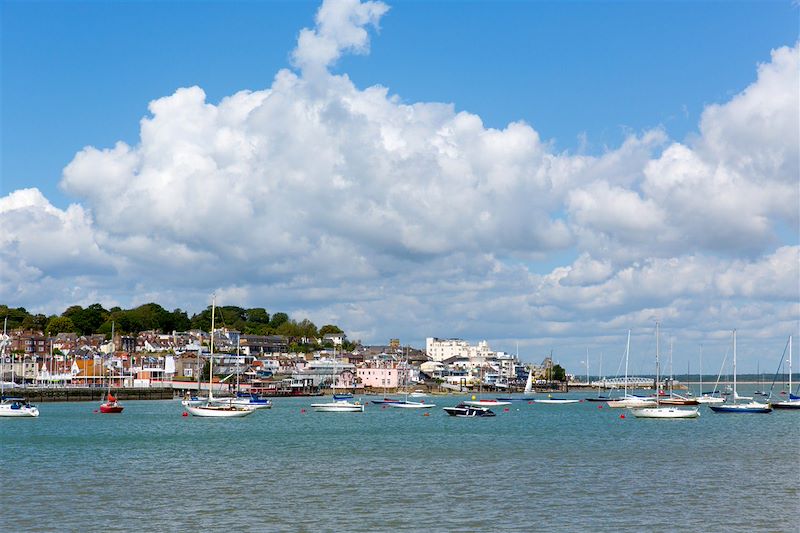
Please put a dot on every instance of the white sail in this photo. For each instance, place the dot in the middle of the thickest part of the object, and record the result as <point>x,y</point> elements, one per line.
<point>529,383</point>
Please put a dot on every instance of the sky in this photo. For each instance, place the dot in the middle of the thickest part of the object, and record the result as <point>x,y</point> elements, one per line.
<point>542,175</point>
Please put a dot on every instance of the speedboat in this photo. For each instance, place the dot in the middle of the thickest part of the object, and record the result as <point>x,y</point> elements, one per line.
<point>463,410</point>
<point>339,407</point>
<point>344,396</point>
<point>17,407</point>
<point>418,393</point>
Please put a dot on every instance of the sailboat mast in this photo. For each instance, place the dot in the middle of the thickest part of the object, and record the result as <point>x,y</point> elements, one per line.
<point>627,353</point>
<point>790,366</point>
<point>734,366</point>
<point>701,370</point>
<point>658,384</point>
<point>211,361</point>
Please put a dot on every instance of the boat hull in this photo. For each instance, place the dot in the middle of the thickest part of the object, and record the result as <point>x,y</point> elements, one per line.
<point>338,407</point>
<point>111,409</point>
<point>411,405</point>
<point>791,404</point>
<point>486,403</point>
<point>631,403</point>
<point>556,401</point>
<point>741,408</point>
<point>218,411</point>
<point>665,413</point>
<point>18,412</point>
<point>467,411</point>
<point>678,401</point>
<point>710,400</point>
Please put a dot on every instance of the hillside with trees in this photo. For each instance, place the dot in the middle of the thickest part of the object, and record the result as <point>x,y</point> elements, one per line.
<point>151,316</point>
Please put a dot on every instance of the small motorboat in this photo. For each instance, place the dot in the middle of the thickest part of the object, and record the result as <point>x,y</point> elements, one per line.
<point>468,411</point>
<point>340,406</point>
<point>17,407</point>
<point>345,396</point>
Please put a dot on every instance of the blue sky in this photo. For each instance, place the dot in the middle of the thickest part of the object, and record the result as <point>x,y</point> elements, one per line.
<point>82,73</point>
<point>548,173</point>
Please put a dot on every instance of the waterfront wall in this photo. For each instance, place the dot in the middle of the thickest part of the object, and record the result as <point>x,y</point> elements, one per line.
<point>88,394</point>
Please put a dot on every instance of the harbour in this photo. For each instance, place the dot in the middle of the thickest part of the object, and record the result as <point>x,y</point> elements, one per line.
<point>531,467</point>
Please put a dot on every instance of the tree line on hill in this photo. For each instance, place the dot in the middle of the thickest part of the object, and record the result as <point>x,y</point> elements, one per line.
<point>151,316</point>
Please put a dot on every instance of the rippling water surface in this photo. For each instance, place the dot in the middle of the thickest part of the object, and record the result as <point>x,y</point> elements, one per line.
<point>533,468</point>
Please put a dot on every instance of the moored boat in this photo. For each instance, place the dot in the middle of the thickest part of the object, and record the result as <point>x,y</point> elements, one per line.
<point>17,407</point>
<point>212,409</point>
<point>463,410</point>
<point>794,401</point>
<point>111,405</point>
<point>556,401</point>
<point>734,407</point>
<point>665,412</point>
<point>339,407</point>
<point>486,403</point>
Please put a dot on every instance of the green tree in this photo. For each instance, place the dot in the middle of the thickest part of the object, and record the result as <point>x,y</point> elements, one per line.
<point>15,316</point>
<point>558,373</point>
<point>278,319</point>
<point>60,324</point>
<point>257,315</point>
<point>329,328</point>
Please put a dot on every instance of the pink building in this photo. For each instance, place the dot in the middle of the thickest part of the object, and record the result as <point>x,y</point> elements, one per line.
<point>378,375</point>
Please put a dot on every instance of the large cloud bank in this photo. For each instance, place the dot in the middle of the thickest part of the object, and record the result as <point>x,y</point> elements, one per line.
<point>348,205</point>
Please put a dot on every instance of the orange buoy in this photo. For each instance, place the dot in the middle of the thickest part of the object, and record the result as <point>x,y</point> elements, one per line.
<point>426,414</point>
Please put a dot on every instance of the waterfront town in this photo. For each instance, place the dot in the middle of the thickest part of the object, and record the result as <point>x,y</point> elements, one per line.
<point>180,360</point>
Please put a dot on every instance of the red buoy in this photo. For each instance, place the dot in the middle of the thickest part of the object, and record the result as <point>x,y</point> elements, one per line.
<point>185,414</point>
<point>302,410</point>
<point>599,406</point>
<point>622,416</point>
<point>505,410</point>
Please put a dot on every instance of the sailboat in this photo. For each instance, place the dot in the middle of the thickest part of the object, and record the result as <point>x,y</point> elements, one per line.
<point>211,409</point>
<point>674,398</point>
<point>12,407</point>
<point>629,401</point>
<point>709,397</point>
<point>338,406</point>
<point>663,412</point>
<point>406,403</point>
<point>794,400</point>
<point>734,407</point>
<point>111,405</point>
<point>528,390</point>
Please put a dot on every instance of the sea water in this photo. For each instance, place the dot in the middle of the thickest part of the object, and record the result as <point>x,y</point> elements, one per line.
<point>574,467</point>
